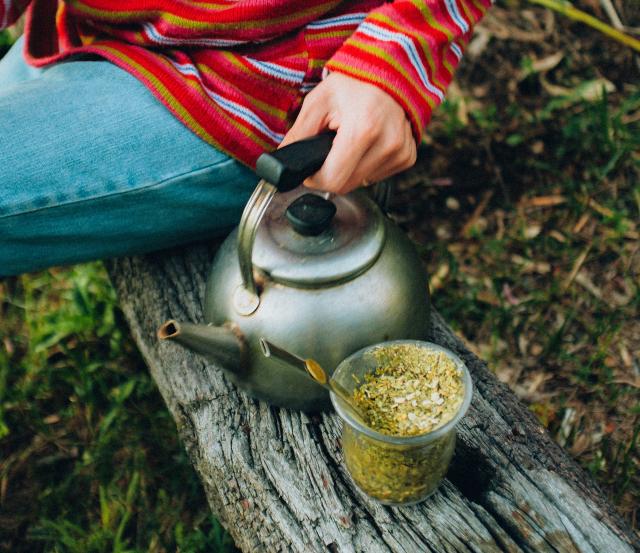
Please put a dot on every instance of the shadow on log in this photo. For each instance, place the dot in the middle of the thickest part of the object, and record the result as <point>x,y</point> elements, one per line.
<point>276,479</point>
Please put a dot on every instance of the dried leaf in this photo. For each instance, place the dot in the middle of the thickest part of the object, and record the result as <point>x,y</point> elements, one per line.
<point>530,266</point>
<point>558,236</point>
<point>583,279</point>
<point>588,91</point>
<point>633,383</point>
<point>489,297</point>
<point>531,231</point>
<point>507,293</point>
<point>479,43</point>
<point>584,219</point>
<point>625,355</point>
<point>577,264</point>
<point>541,65</point>
<point>545,201</point>
<point>566,426</point>
<point>452,203</point>
<point>477,212</point>
<point>436,280</point>
<point>602,210</point>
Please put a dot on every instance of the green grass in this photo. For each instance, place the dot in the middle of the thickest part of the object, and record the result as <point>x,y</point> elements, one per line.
<point>89,456</point>
<point>6,40</point>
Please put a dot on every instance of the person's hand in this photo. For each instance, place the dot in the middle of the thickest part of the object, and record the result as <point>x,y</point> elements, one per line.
<point>373,140</point>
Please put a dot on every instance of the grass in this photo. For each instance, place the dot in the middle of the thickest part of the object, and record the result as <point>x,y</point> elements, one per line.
<point>89,455</point>
<point>6,40</point>
<point>528,222</point>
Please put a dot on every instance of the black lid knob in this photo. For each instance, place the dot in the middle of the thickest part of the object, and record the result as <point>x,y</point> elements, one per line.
<point>310,214</point>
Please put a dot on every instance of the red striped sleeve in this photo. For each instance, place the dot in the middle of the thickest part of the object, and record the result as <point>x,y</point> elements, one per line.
<point>233,20</point>
<point>235,71</point>
<point>10,11</point>
<point>410,49</point>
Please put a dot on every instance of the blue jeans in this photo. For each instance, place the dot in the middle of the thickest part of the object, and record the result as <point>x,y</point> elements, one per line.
<point>93,166</point>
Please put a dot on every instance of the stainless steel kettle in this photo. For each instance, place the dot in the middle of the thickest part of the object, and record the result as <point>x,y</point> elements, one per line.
<point>322,278</point>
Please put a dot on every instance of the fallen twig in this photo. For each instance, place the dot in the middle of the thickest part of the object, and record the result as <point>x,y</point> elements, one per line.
<point>567,9</point>
<point>545,201</point>
<point>608,7</point>
<point>476,213</point>
<point>576,267</point>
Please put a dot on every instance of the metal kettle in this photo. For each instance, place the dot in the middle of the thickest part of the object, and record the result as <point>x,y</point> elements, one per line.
<point>322,278</point>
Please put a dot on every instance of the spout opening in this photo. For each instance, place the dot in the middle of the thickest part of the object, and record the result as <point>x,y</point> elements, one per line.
<point>169,329</point>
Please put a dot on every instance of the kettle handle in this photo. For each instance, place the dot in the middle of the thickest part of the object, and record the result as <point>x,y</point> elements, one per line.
<point>287,167</point>
<point>247,299</point>
<point>281,170</point>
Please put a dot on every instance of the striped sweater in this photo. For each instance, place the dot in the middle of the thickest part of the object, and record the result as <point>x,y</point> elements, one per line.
<point>236,71</point>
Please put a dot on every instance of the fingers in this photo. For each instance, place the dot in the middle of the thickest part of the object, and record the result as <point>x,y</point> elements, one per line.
<point>374,139</point>
<point>397,156</point>
<point>312,119</point>
<point>337,172</point>
<point>371,157</point>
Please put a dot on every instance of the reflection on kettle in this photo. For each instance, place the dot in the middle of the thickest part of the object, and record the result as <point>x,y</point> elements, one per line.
<point>323,278</point>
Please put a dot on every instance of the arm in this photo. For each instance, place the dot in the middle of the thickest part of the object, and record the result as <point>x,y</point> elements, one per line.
<point>10,11</point>
<point>382,87</point>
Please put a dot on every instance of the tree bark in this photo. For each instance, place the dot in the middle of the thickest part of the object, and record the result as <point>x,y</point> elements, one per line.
<point>276,479</point>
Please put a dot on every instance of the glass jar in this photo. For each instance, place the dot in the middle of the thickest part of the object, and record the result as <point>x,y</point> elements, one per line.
<point>395,470</point>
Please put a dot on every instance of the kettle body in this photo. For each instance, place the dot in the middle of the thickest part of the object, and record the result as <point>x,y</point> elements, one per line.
<point>321,278</point>
<point>327,322</point>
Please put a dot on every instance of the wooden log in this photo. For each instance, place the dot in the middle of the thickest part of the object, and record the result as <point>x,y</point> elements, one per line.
<point>276,479</point>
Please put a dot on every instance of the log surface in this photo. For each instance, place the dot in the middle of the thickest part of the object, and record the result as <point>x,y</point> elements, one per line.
<point>276,479</point>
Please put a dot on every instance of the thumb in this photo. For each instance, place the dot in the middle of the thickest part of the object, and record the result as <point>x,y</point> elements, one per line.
<point>311,120</point>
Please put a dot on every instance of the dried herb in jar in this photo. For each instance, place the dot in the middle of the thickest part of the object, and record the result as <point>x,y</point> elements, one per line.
<point>394,474</point>
<point>413,392</point>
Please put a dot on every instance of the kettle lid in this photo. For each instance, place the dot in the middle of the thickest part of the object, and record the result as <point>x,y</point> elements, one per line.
<point>330,246</point>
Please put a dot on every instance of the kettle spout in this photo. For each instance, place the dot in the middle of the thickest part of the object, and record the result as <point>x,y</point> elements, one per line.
<point>221,345</point>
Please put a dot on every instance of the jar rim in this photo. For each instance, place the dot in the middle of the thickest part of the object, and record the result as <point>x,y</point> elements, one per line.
<point>420,439</point>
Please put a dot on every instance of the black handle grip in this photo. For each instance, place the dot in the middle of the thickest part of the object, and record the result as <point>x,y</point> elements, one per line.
<point>287,167</point>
